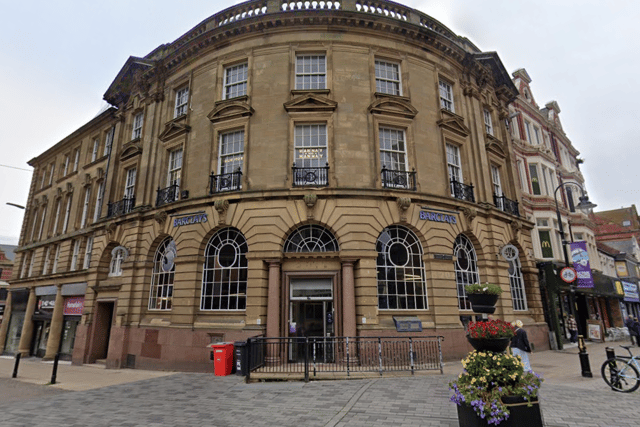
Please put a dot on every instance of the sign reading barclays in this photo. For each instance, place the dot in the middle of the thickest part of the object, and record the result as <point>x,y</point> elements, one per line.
<point>191,219</point>
<point>438,217</point>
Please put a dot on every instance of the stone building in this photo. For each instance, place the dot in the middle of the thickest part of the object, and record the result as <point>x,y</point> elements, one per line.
<point>279,169</point>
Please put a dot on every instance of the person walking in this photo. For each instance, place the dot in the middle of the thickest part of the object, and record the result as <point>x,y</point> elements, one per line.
<point>636,328</point>
<point>572,326</point>
<point>629,323</point>
<point>520,344</point>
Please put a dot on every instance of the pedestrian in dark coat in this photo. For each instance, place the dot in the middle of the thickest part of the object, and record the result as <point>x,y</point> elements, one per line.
<point>636,328</point>
<point>520,344</point>
<point>629,322</point>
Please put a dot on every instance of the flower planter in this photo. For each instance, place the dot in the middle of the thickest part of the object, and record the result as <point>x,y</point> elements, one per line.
<point>521,415</point>
<point>483,303</point>
<point>497,345</point>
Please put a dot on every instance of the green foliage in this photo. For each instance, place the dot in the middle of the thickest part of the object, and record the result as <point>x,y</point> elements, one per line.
<point>487,288</point>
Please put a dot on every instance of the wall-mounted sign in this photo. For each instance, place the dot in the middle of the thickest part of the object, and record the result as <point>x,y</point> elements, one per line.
<point>73,306</point>
<point>630,292</point>
<point>580,258</point>
<point>190,219</point>
<point>445,257</point>
<point>438,217</point>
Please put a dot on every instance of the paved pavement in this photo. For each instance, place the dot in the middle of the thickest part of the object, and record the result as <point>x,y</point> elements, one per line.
<point>94,396</point>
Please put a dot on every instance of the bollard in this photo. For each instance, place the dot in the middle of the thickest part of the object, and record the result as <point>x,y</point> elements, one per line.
<point>15,366</point>
<point>611,353</point>
<point>584,358</point>
<point>54,374</point>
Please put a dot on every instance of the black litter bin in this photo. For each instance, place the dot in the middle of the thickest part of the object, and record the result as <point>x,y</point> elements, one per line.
<point>242,358</point>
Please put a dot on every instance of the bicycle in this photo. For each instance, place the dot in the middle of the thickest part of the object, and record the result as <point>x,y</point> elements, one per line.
<point>622,373</point>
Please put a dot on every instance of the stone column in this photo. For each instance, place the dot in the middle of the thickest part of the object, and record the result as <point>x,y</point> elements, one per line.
<point>27,326</point>
<point>4,326</point>
<point>348,300</point>
<point>55,331</point>
<point>273,310</point>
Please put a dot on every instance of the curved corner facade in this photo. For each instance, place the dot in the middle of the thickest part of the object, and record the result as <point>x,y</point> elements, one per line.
<point>278,172</point>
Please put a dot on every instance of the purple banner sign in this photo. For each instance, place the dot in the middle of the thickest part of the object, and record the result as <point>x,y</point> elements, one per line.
<point>580,258</point>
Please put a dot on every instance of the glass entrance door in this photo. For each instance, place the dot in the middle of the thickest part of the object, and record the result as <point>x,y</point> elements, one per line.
<point>311,315</point>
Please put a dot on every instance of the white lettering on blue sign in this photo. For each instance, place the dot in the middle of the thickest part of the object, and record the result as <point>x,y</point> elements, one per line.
<point>438,217</point>
<point>192,219</point>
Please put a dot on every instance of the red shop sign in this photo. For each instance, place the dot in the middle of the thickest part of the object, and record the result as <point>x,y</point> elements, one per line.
<point>73,306</point>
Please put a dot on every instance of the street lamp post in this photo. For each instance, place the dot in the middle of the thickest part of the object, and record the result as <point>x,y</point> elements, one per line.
<point>584,205</point>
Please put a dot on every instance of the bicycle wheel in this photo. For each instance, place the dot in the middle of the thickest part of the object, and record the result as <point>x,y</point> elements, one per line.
<point>620,375</point>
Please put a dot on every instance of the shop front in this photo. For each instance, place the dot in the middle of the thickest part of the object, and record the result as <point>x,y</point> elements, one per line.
<point>630,304</point>
<point>42,321</point>
<point>19,299</point>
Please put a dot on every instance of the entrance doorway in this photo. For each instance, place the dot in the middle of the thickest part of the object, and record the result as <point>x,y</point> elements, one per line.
<point>312,315</point>
<point>102,330</point>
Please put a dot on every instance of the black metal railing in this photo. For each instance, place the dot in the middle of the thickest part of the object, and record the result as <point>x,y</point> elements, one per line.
<point>225,182</point>
<point>462,191</point>
<point>398,179</point>
<point>306,357</point>
<point>120,207</point>
<point>168,195</point>
<point>506,205</point>
<point>304,176</point>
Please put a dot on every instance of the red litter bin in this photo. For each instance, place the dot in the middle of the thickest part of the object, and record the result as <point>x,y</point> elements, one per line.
<point>222,358</point>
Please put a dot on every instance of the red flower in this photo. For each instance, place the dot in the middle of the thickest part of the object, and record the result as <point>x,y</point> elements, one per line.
<point>490,329</point>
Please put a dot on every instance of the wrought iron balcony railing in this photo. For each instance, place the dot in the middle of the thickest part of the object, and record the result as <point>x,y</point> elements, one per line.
<point>398,179</point>
<point>313,176</point>
<point>506,205</point>
<point>121,207</point>
<point>225,182</point>
<point>462,191</point>
<point>168,195</point>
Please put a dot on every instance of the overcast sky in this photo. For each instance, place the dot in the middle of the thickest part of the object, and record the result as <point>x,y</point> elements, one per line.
<point>58,59</point>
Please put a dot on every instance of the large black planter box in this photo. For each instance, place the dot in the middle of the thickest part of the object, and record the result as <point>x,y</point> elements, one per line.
<point>497,345</point>
<point>521,415</point>
<point>483,303</point>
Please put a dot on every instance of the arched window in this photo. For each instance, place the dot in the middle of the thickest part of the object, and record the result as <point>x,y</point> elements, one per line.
<point>162,276</point>
<point>224,276</point>
<point>516,282</point>
<point>118,255</point>
<point>466,268</point>
<point>311,238</point>
<point>401,277</point>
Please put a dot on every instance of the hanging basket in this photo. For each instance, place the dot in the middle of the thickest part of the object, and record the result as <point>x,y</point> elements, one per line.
<point>497,345</point>
<point>483,303</point>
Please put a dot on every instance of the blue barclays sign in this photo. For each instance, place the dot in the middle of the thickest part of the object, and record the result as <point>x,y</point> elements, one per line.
<point>191,219</point>
<point>438,217</point>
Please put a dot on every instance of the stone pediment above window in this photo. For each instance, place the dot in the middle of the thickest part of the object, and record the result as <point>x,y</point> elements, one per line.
<point>310,102</point>
<point>230,109</point>
<point>131,149</point>
<point>495,146</point>
<point>454,123</point>
<point>174,128</point>
<point>393,106</point>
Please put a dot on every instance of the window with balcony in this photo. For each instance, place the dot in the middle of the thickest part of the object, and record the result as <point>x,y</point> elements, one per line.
<point>174,172</point>
<point>393,159</point>
<point>162,276</point>
<point>311,72</point>
<point>224,276</point>
<point>124,206</point>
<point>459,190</point>
<point>230,162</point>
<point>136,131</point>
<point>446,96</point>
<point>182,100</point>
<point>310,165</point>
<point>235,80</point>
<point>400,270</point>
<point>388,78</point>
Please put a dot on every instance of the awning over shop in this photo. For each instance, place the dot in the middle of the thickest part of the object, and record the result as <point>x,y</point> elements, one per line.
<point>604,286</point>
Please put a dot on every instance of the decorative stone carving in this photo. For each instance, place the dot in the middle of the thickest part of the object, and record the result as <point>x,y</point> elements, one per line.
<point>516,226</point>
<point>469,216</point>
<point>403,204</point>
<point>221,207</point>
<point>87,180</point>
<point>69,188</point>
<point>310,102</point>
<point>160,217</point>
<point>393,106</point>
<point>111,230</point>
<point>58,193</point>
<point>230,109</point>
<point>310,199</point>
